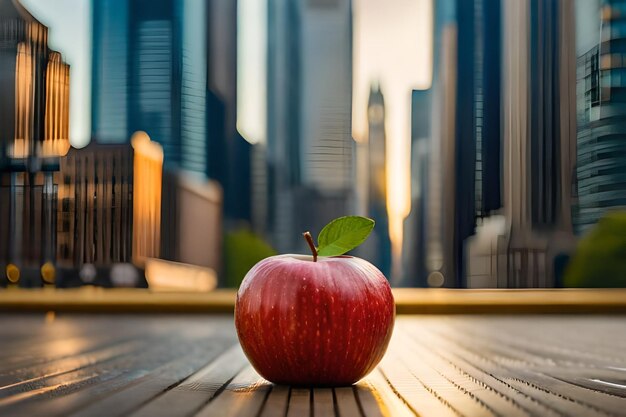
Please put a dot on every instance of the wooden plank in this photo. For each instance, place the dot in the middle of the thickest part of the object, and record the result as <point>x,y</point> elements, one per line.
<point>36,352</point>
<point>111,376</point>
<point>378,398</point>
<point>408,301</point>
<point>62,402</point>
<point>299,403</point>
<point>124,402</point>
<point>9,401</point>
<point>599,402</point>
<point>468,385</point>
<point>276,402</point>
<point>323,402</point>
<point>191,394</point>
<point>159,345</point>
<point>503,391</point>
<point>163,365</point>
<point>346,402</point>
<point>243,397</point>
<point>511,367</point>
<point>456,397</point>
<point>543,398</point>
<point>597,381</point>
<point>545,344</point>
<point>30,375</point>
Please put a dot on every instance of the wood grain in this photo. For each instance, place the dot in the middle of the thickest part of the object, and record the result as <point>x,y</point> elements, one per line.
<point>192,365</point>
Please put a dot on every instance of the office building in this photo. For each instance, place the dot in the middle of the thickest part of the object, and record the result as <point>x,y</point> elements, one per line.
<point>95,211</point>
<point>601,113</point>
<point>168,67</point>
<point>538,151</point>
<point>149,73</point>
<point>414,248</point>
<point>109,208</point>
<point>309,143</point>
<point>440,207</point>
<point>34,133</point>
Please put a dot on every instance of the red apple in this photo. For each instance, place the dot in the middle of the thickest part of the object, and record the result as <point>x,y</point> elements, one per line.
<point>314,323</point>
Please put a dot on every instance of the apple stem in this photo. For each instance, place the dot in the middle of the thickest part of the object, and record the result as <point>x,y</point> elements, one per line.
<point>309,240</point>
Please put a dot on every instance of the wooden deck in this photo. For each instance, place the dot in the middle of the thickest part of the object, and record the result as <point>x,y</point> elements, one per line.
<point>191,365</point>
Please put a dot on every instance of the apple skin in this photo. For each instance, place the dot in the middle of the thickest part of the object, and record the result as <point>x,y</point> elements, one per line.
<point>305,323</point>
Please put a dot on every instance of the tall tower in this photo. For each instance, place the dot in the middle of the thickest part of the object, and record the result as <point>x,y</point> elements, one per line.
<point>464,178</point>
<point>439,210</point>
<point>539,140</point>
<point>377,248</point>
<point>601,109</point>
<point>149,73</point>
<point>309,147</point>
<point>414,250</point>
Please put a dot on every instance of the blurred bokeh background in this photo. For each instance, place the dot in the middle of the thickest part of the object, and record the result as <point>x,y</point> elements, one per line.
<point>174,143</point>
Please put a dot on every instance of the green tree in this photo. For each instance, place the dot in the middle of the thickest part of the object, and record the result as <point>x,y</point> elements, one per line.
<point>242,250</point>
<point>600,259</point>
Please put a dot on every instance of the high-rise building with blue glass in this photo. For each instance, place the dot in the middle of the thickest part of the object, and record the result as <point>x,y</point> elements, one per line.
<point>601,111</point>
<point>150,73</point>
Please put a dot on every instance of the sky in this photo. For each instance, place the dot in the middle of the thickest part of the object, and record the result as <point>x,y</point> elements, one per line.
<point>69,24</point>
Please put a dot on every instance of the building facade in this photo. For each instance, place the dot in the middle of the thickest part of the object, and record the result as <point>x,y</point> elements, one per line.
<point>149,73</point>
<point>169,68</point>
<point>414,248</point>
<point>109,204</point>
<point>519,246</point>
<point>34,134</point>
<point>309,142</point>
<point>601,116</point>
<point>95,210</point>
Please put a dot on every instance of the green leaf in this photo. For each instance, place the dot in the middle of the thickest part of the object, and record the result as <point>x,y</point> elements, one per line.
<point>343,234</point>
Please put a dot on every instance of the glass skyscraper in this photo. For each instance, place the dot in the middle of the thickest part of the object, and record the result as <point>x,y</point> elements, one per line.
<point>601,110</point>
<point>309,141</point>
<point>150,73</point>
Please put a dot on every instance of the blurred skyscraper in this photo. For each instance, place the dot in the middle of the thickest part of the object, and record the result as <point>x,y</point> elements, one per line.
<point>438,213</point>
<point>414,249</point>
<point>168,67</point>
<point>538,121</point>
<point>502,135</point>
<point>373,178</point>
<point>309,143</point>
<point>457,123</point>
<point>229,153</point>
<point>34,134</point>
<point>110,204</point>
<point>601,111</point>
<point>150,73</point>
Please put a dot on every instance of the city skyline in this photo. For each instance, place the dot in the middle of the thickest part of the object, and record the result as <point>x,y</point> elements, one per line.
<point>482,155</point>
